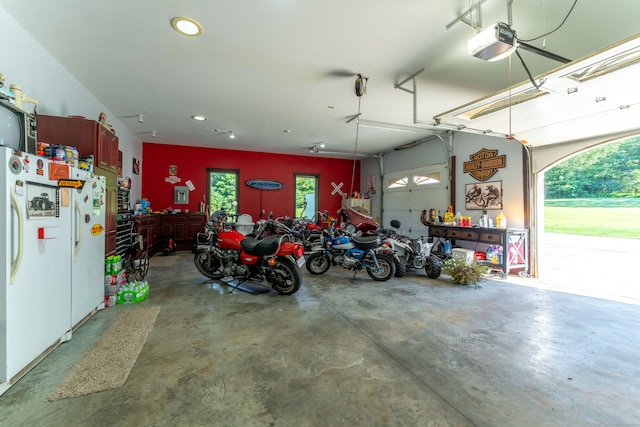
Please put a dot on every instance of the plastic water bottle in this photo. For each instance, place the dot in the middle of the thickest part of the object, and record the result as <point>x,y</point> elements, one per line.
<point>128,294</point>
<point>447,247</point>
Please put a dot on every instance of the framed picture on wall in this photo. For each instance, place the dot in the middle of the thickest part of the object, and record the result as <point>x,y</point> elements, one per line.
<point>484,195</point>
<point>136,166</point>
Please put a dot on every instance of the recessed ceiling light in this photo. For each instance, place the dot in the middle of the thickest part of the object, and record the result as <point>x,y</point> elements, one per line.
<point>186,26</point>
<point>198,117</point>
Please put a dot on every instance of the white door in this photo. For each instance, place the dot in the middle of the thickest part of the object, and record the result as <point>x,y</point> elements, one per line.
<point>407,193</point>
<point>87,268</point>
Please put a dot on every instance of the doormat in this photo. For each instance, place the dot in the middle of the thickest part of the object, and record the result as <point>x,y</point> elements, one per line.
<point>162,261</point>
<point>108,362</point>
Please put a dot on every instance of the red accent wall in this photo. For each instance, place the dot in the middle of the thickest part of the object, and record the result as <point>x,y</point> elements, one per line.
<point>192,164</point>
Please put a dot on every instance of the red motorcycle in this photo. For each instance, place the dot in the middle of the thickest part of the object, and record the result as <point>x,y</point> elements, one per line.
<point>263,257</point>
<point>357,223</point>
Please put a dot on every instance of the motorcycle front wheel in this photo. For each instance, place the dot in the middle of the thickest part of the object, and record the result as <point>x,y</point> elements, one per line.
<point>287,277</point>
<point>208,264</point>
<point>318,263</point>
<point>386,270</point>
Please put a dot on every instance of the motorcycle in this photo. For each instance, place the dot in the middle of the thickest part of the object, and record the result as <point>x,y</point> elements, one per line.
<point>413,253</point>
<point>270,258</point>
<point>357,223</point>
<point>353,253</point>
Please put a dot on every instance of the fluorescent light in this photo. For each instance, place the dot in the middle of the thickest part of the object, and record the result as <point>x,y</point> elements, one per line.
<point>198,118</point>
<point>396,129</point>
<point>186,26</point>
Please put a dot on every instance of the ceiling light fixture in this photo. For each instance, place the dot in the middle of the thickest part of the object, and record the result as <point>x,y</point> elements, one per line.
<point>228,132</point>
<point>140,118</point>
<point>316,147</point>
<point>199,118</point>
<point>186,26</point>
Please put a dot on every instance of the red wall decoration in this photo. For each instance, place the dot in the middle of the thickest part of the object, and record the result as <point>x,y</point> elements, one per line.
<point>192,163</point>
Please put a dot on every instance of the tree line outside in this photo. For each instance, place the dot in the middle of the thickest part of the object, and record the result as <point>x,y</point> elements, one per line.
<point>596,193</point>
<point>610,171</point>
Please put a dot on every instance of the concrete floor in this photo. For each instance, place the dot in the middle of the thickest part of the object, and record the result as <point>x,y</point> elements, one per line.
<point>408,352</point>
<point>591,265</point>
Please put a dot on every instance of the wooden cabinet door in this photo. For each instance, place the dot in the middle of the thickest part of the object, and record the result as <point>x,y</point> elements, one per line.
<point>107,149</point>
<point>113,152</point>
<point>111,221</point>
<point>167,229</point>
<point>180,230</point>
<point>119,164</point>
<point>196,225</point>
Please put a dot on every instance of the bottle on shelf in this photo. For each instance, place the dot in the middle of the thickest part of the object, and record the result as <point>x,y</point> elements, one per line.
<point>484,220</point>
<point>501,221</point>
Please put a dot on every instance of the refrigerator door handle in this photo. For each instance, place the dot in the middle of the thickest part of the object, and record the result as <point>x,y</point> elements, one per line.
<point>15,264</point>
<point>78,229</point>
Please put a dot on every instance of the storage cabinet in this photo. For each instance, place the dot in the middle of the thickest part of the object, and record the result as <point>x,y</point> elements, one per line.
<point>88,136</point>
<point>124,234</point>
<point>182,228</point>
<point>514,242</point>
<point>111,209</point>
<point>147,227</point>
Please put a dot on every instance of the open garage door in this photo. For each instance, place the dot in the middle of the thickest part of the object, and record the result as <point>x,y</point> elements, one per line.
<point>407,193</point>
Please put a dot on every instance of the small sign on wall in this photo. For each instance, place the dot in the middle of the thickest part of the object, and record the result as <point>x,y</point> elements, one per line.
<point>484,164</point>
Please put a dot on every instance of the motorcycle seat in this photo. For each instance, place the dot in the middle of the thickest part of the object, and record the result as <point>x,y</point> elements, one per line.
<point>254,246</point>
<point>366,242</point>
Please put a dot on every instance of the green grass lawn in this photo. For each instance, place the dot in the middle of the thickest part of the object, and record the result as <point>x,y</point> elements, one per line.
<point>594,217</point>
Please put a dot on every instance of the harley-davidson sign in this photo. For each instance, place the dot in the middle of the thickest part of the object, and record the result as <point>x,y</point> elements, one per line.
<point>484,164</point>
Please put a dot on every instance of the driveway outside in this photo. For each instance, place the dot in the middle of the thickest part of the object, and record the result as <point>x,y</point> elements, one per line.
<point>602,267</point>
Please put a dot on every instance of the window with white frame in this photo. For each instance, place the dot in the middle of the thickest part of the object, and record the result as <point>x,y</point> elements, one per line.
<point>433,176</point>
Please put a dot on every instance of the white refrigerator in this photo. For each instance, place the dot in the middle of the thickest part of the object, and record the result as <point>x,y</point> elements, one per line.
<point>35,258</point>
<point>88,231</point>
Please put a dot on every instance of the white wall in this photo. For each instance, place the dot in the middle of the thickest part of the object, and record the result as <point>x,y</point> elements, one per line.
<point>42,77</point>
<point>512,176</point>
<point>436,151</point>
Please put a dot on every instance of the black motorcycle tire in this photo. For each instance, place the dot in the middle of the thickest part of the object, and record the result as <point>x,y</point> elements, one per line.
<point>433,267</point>
<point>288,277</point>
<point>208,264</point>
<point>318,263</point>
<point>388,268</point>
<point>401,268</point>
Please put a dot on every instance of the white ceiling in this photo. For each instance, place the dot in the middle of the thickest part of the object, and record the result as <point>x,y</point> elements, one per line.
<point>266,66</point>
